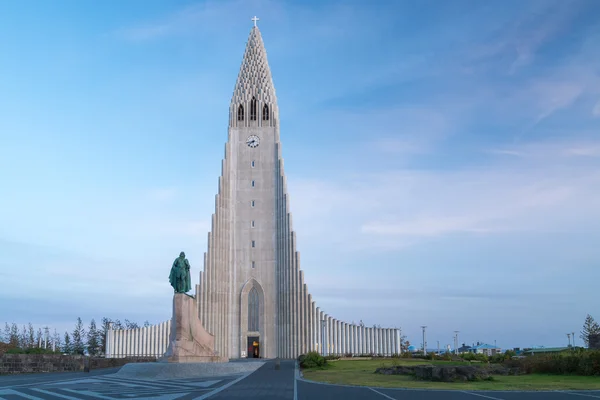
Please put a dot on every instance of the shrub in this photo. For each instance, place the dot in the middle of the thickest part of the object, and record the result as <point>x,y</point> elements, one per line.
<point>313,360</point>
<point>32,350</point>
<point>301,358</point>
<point>585,363</point>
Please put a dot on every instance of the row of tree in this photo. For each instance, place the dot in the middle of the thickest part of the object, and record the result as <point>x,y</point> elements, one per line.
<point>79,341</point>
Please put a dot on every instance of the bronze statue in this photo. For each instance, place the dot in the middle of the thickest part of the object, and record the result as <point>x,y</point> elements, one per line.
<point>180,274</point>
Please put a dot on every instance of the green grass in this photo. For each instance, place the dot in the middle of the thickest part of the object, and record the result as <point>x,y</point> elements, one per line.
<point>362,373</point>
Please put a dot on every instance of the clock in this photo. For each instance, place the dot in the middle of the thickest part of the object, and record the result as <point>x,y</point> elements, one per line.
<point>252,141</point>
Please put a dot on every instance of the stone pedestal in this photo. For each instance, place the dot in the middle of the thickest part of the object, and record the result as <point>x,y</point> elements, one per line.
<point>189,342</point>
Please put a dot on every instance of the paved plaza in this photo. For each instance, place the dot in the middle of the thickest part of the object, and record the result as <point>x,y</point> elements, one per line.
<point>268,382</point>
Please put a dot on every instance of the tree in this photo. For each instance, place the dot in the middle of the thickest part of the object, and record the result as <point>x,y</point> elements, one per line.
<point>14,338</point>
<point>92,339</point>
<point>67,348</point>
<point>590,327</point>
<point>39,341</point>
<point>404,343</point>
<point>102,334</point>
<point>56,344</point>
<point>117,325</point>
<point>23,338</point>
<point>46,337</point>
<point>131,325</point>
<point>6,332</point>
<point>78,337</point>
<point>146,324</point>
<point>30,336</point>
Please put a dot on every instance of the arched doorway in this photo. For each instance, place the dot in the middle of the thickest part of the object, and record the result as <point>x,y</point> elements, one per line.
<point>252,320</point>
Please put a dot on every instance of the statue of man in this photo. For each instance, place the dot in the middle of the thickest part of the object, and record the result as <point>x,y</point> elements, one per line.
<point>180,274</point>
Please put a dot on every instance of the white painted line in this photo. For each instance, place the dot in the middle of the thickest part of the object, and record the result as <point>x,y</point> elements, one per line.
<point>205,396</point>
<point>481,395</point>
<point>582,394</point>
<point>42,383</point>
<point>383,394</point>
<point>296,377</point>
<point>88,393</point>
<point>53,394</point>
<point>4,392</point>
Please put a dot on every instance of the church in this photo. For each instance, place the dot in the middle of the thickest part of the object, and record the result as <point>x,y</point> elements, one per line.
<point>252,295</point>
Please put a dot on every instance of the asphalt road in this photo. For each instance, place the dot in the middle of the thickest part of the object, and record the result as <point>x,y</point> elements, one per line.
<point>267,383</point>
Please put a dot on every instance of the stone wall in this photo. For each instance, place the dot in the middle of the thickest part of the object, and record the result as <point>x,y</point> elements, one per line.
<point>36,363</point>
<point>594,342</point>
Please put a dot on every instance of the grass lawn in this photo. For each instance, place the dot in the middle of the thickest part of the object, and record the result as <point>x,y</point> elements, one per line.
<point>362,373</point>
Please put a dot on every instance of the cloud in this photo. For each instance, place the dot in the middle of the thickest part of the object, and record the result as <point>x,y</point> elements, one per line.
<point>534,192</point>
<point>553,96</point>
<point>596,110</point>
<point>512,39</point>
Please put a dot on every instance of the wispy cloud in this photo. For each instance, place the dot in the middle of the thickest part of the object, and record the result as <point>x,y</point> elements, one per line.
<point>532,192</point>
<point>596,110</point>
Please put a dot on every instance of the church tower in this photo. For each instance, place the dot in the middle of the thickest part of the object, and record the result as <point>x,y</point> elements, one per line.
<point>240,287</point>
<point>251,294</point>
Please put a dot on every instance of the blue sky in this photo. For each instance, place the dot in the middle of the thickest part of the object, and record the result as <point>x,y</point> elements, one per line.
<point>443,158</point>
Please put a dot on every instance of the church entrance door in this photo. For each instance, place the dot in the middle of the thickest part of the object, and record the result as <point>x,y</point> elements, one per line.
<point>253,347</point>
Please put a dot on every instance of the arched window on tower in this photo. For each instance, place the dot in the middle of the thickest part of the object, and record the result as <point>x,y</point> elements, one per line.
<point>253,305</point>
<point>265,112</point>
<point>240,113</point>
<point>253,109</point>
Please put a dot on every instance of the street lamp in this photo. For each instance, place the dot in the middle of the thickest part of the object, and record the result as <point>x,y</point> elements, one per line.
<point>456,342</point>
<point>424,341</point>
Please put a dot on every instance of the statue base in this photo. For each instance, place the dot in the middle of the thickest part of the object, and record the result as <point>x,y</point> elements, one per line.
<point>189,342</point>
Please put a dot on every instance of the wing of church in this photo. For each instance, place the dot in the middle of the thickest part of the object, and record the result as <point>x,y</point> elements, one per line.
<point>252,294</point>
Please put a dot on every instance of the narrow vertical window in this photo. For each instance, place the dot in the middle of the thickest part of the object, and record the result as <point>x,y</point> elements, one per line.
<point>252,224</point>
<point>252,183</point>
<point>253,109</point>
<point>253,309</point>
<point>252,203</point>
<point>240,114</point>
<point>252,164</point>
<point>253,264</point>
<point>253,243</point>
<point>265,112</point>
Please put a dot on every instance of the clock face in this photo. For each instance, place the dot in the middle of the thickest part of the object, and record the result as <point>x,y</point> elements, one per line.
<point>252,141</point>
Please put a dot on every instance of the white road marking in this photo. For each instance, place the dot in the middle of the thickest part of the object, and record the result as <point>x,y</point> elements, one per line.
<point>481,395</point>
<point>383,394</point>
<point>296,377</point>
<point>582,394</point>
<point>207,395</point>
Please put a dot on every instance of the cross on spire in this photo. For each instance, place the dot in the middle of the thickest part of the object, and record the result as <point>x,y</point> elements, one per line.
<point>254,19</point>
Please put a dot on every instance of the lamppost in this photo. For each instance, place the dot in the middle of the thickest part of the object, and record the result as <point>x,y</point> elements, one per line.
<point>456,342</point>
<point>424,341</point>
<point>569,337</point>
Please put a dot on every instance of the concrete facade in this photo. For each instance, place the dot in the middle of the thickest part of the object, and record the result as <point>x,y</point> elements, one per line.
<point>150,341</point>
<point>252,245</point>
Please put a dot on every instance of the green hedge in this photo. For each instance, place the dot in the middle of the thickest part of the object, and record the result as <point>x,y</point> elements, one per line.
<point>585,363</point>
<point>312,360</point>
<point>33,350</point>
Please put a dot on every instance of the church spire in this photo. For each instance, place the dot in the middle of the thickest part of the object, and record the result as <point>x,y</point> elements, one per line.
<point>254,94</point>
